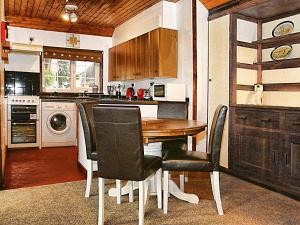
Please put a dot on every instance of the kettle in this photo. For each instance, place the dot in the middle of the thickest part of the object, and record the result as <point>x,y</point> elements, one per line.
<point>140,93</point>
<point>130,92</point>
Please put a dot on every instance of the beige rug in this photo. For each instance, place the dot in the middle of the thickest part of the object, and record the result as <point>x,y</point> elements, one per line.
<point>243,204</point>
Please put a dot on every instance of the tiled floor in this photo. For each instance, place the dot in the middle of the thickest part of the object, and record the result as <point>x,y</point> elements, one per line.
<point>34,167</point>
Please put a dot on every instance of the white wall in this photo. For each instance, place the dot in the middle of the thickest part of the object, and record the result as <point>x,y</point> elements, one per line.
<point>202,63</point>
<point>162,14</point>
<point>175,16</point>
<point>56,39</point>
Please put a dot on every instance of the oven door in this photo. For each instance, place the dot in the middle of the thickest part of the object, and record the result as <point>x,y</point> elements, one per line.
<point>23,132</point>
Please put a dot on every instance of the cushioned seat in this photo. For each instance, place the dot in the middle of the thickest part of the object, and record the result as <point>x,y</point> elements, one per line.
<point>199,161</point>
<point>151,165</point>
<point>120,153</point>
<point>187,161</point>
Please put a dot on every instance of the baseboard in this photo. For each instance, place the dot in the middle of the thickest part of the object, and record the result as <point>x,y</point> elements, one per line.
<point>290,195</point>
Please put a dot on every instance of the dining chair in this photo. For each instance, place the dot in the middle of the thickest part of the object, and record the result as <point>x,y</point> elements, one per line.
<point>87,120</point>
<point>199,161</point>
<point>120,153</point>
<point>174,110</point>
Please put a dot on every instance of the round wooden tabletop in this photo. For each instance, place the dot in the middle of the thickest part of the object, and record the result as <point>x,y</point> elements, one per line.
<point>165,129</point>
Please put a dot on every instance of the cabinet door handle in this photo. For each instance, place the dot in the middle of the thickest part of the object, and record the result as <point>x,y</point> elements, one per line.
<point>242,117</point>
<point>286,159</point>
<point>266,120</point>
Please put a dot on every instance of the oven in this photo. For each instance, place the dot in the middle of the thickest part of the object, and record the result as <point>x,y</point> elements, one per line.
<point>23,121</point>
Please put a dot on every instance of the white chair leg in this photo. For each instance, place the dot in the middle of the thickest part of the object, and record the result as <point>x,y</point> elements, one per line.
<point>141,202</point>
<point>158,176</point>
<point>212,184</point>
<point>146,194</point>
<point>131,191</point>
<point>166,191</point>
<point>89,178</point>
<point>118,187</point>
<point>217,192</point>
<point>181,182</point>
<point>101,202</point>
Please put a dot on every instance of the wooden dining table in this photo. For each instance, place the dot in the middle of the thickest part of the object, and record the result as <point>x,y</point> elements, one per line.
<point>157,130</point>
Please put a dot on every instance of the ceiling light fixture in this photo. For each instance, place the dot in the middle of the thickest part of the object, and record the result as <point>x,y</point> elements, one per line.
<point>70,14</point>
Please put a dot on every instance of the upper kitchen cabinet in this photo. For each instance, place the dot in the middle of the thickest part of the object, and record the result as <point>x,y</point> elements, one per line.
<point>150,55</point>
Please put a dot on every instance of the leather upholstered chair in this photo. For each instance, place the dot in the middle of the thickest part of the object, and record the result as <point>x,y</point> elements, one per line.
<point>199,161</point>
<point>174,110</point>
<point>87,120</point>
<point>88,125</point>
<point>120,151</point>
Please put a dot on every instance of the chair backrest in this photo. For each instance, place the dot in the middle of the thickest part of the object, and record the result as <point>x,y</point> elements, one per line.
<point>87,119</point>
<point>216,134</point>
<point>173,110</point>
<point>119,142</point>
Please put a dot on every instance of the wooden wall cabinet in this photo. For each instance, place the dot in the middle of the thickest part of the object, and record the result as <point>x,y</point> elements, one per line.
<point>265,146</point>
<point>150,55</point>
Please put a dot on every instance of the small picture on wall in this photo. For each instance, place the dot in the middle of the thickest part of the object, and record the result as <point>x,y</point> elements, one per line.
<point>283,28</point>
<point>281,52</point>
<point>73,40</point>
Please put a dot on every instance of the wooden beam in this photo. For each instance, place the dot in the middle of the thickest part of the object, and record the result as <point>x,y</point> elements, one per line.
<point>281,64</point>
<point>194,26</point>
<point>247,66</point>
<point>245,87</point>
<point>60,26</point>
<point>247,44</point>
<point>282,87</point>
<point>259,52</point>
<point>232,59</point>
<point>234,7</point>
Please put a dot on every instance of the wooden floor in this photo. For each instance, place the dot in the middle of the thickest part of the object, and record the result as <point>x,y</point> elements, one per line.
<point>34,167</point>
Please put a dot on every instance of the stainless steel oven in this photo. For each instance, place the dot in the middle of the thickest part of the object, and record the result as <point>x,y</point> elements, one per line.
<point>23,121</point>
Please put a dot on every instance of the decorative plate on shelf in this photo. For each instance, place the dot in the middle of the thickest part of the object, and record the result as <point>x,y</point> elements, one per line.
<point>283,28</point>
<point>281,52</point>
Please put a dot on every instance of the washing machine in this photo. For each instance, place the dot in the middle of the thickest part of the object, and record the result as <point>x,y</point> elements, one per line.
<point>59,124</point>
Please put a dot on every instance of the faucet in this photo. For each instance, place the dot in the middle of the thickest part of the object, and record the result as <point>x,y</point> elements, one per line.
<point>84,93</point>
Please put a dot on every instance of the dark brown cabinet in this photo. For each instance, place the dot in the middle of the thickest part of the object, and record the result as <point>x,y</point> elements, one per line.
<point>264,147</point>
<point>150,55</point>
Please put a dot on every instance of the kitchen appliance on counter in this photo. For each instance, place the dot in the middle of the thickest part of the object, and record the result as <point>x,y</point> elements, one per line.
<point>23,121</point>
<point>130,92</point>
<point>169,92</point>
<point>22,83</point>
<point>140,93</point>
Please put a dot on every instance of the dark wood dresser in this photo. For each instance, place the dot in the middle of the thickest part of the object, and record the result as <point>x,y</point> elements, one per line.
<point>264,146</point>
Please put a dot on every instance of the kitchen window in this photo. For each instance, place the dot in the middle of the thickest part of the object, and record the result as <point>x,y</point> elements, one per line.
<point>71,70</point>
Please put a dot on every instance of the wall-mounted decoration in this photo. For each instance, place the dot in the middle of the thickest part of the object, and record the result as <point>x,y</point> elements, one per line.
<point>73,40</point>
<point>281,52</point>
<point>283,28</point>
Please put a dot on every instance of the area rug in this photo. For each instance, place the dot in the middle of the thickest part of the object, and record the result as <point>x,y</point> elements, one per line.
<point>59,204</point>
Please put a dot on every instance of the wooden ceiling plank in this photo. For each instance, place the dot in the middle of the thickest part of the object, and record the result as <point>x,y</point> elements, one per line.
<point>35,8</point>
<point>111,11</point>
<point>17,7</point>
<point>29,7</point>
<point>47,9</point>
<point>24,4</point>
<point>84,9</point>
<point>243,4</point>
<point>44,24</point>
<point>90,12</point>
<point>108,11</point>
<point>54,8</point>
<point>209,4</point>
<point>9,7</point>
<point>133,12</point>
<point>106,5</point>
<point>41,8</point>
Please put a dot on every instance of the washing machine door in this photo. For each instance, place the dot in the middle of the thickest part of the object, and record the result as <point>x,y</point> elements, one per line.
<point>59,122</point>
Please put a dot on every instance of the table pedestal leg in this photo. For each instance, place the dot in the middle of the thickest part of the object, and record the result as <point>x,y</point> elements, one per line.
<point>156,150</point>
